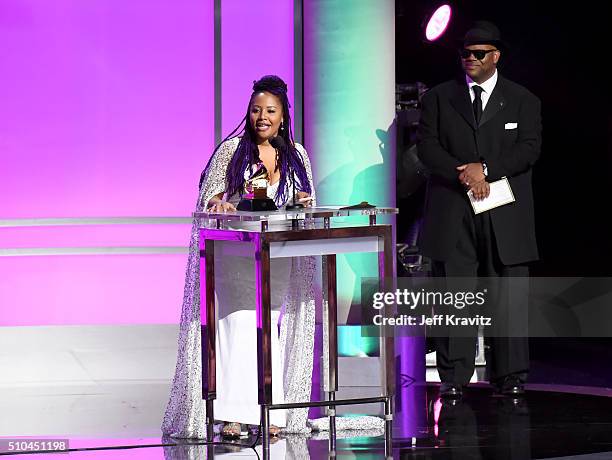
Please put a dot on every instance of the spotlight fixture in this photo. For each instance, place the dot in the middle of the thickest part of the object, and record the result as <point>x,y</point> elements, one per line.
<point>438,23</point>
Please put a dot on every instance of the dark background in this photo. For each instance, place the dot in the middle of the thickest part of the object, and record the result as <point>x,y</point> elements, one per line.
<point>560,52</point>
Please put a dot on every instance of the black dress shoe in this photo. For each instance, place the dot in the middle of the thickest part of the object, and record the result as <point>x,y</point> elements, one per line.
<point>511,386</point>
<point>451,390</point>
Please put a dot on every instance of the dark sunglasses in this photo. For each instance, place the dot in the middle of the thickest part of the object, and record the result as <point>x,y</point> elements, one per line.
<point>478,54</point>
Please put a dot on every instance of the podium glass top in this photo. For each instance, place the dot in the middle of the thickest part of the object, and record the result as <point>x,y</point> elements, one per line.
<point>303,213</point>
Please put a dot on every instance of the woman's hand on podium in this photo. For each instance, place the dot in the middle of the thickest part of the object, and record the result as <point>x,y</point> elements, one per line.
<point>304,198</point>
<point>221,206</point>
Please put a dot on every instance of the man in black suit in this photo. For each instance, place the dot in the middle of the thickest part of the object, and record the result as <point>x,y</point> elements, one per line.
<point>473,131</point>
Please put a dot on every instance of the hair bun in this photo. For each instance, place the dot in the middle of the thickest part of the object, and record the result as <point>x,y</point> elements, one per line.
<point>271,83</point>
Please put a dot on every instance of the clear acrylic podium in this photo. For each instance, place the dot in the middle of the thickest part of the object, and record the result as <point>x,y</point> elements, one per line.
<point>307,231</point>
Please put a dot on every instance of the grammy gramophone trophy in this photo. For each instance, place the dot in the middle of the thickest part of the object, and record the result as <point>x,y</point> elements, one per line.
<point>256,186</point>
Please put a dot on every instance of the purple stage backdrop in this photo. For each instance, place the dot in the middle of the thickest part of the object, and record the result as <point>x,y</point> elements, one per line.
<point>107,109</point>
<point>106,106</point>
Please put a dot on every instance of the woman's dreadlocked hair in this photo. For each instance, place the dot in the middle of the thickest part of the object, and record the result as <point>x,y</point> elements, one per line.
<point>289,159</point>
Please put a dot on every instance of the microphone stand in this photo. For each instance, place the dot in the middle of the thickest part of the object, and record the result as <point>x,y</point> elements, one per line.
<point>294,206</point>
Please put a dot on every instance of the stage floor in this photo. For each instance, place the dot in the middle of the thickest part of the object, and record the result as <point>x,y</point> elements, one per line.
<point>549,422</point>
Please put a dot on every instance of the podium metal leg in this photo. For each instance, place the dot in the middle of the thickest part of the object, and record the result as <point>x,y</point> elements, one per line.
<point>387,342</point>
<point>210,420</point>
<point>264,349</point>
<point>265,435</point>
<point>208,332</point>
<point>388,428</point>
<point>330,342</point>
<point>331,396</point>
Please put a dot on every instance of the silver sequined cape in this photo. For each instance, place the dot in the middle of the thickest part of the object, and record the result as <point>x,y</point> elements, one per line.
<point>185,412</point>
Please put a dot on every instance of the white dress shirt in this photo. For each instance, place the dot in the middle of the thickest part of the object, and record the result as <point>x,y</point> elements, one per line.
<point>487,86</point>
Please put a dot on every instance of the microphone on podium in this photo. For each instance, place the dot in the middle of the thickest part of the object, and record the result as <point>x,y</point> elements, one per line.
<point>279,144</point>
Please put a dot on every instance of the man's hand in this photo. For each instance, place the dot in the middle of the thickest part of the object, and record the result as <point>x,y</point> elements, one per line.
<point>480,190</point>
<point>470,174</point>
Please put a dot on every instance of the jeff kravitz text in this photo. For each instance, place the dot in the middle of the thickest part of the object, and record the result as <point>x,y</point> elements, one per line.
<point>434,320</point>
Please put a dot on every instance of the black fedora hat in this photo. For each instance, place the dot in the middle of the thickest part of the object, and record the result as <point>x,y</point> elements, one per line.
<point>483,33</point>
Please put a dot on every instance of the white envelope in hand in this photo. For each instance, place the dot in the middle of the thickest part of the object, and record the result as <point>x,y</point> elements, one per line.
<point>500,193</point>
<point>511,126</point>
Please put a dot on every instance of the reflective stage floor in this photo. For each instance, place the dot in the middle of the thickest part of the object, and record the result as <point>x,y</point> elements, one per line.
<point>549,422</point>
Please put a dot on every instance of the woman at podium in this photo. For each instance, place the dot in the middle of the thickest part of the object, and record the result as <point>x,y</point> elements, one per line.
<point>234,169</point>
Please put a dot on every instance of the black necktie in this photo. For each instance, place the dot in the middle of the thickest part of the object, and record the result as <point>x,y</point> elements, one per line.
<point>477,104</point>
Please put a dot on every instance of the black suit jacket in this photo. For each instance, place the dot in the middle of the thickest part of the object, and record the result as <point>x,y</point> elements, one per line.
<point>449,137</point>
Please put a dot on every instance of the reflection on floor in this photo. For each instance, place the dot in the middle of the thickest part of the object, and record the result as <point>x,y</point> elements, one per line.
<point>549,422</point>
